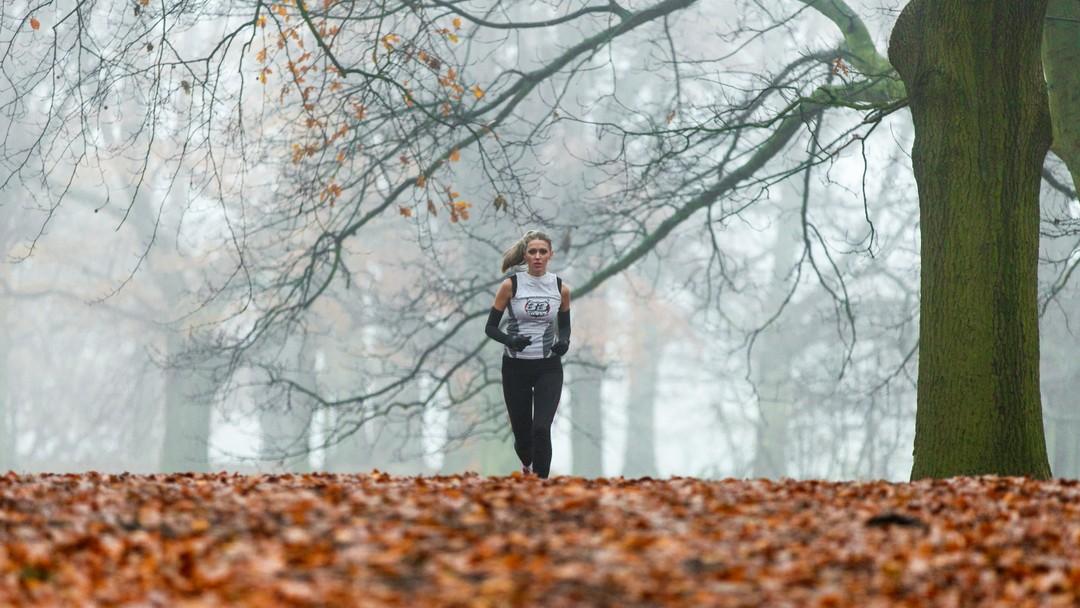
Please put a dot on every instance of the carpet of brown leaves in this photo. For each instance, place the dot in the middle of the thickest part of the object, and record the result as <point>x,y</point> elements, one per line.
<point>316,540</point>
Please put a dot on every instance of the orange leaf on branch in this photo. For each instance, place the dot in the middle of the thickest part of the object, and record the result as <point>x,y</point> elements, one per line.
<point>462,209</point>
<point>389,40</point>
<point>332,192</point>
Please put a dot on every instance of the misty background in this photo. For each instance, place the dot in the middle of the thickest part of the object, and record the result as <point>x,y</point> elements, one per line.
<point>149,316</point>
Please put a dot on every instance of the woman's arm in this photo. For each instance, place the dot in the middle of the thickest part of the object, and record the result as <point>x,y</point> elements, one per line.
<point>563,343</point>
<point>515,342</point>
<point>502,297</point>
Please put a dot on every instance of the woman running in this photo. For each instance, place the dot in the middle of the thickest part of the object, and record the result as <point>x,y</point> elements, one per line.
<point>532,373</point>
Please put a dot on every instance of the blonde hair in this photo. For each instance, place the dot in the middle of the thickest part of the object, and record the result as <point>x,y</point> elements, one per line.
<point>515,255</point>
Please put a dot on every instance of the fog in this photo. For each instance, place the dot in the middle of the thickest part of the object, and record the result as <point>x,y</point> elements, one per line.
<point>184,289</point>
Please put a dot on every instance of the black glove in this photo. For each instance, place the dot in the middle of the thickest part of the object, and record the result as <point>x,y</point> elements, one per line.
<point>563,343</point>
<point>517,342</point>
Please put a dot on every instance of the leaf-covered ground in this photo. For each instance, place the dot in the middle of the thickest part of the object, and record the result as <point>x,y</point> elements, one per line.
<point>224,539</point>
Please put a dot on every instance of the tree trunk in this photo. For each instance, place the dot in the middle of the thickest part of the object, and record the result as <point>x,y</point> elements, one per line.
<point>286,424</point>
<point>640,452</point>
<point>587,423</point>
<point>352,454</point>
<point>772,363</point>
<point>982,130</point>
<point>286,432</point>
<point>7,413</point>
<point>471,444</point>
<point>1062,429</point>
<point>1061,56</point>
<point>141,438</point>
<point>775,396</point>
<point>188,398</point>
<point>397,442</point>
<point>478,450</point>
<point>1060,376</point>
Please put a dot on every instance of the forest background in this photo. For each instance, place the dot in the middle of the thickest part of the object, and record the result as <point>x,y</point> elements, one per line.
<point>264,236</point>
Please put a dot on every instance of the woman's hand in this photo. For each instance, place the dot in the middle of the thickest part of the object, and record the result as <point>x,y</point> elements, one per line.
<point>518,342</point>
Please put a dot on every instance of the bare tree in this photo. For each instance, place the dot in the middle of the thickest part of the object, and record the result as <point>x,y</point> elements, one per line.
<point>313,127</point>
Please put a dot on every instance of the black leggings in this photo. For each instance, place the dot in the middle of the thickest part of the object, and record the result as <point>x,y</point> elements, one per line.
<point>531,388</point>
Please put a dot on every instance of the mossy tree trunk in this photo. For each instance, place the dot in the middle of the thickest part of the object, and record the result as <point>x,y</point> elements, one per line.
<point>1061,58</point>
<point>978,101</point>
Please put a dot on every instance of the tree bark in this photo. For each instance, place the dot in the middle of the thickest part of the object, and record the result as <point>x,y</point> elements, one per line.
<point>772,363</point>
<point>587,423</point>
<point>1061,56</point>
<point>978,102</point>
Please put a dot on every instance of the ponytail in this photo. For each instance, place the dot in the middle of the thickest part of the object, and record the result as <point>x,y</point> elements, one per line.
<point>515,255</point>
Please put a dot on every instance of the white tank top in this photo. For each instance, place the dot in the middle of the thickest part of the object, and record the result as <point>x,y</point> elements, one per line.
<point>532,312</point>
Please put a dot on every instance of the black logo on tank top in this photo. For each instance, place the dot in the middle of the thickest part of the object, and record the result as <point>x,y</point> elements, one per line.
<point>537,308</point>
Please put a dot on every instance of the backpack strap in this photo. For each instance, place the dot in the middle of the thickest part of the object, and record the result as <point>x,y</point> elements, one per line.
<point>558,284</point>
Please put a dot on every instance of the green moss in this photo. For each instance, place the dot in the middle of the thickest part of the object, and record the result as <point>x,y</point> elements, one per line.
<point>1061,56</point>
<point>978,102</point>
